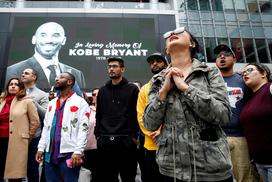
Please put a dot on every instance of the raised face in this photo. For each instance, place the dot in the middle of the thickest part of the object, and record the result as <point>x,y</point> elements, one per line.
<point>49,39</point>
<point>252,76</point>
<point>115,70</point>
<point>225,60</point>
<point>156,65</point>
<point>13,87</point>
<point>27,76</point>
<point>62,81</point>
<point>177,40</point>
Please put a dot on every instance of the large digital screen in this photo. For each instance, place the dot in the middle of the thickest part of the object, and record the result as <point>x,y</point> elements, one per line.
<point>90,39</point>
<point>89,42</point>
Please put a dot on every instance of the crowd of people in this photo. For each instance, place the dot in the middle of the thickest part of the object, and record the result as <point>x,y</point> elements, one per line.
<point>190,122</point>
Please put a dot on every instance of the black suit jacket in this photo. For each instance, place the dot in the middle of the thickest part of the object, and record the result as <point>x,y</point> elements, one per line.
<point>16,70</point>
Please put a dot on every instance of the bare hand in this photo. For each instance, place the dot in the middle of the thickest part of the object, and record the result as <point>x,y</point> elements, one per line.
<point>154,135</point>
<point>39,156</point>
<point>178,78</point>
<point>76,160</point>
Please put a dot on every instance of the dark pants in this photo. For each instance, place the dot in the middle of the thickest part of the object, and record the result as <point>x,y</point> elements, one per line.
<point>60,172</point>
<point>16,180</point>
<point>91,163</point>
<point>117,155</point>
<point>170,179</point>
<point>3,155</point>
<point>33,165</point>
<point>141,156</point>
<point>152,172</point>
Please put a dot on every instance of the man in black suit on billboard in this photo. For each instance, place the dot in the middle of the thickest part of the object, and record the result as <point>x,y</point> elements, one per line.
<point>48,40</point>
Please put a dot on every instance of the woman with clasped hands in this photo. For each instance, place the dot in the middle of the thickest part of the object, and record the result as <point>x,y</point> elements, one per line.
<point>190,101</point>
<point>19,120</point>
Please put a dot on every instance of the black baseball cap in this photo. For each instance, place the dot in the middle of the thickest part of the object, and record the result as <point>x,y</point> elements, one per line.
<point>222,47</point>
<point>156,55</point>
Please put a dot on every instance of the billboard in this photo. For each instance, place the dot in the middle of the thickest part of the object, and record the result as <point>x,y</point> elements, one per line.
<point>87,43</point>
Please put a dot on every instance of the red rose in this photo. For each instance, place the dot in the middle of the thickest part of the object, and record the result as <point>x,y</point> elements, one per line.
<point>73,108</point>
<point>88,115</point>
<point>50,107</point>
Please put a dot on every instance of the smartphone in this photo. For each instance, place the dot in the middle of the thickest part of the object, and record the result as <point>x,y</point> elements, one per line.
<point>68,163</point>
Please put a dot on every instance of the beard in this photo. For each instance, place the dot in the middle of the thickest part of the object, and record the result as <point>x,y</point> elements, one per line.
<point>114,76</point>
<point>156,71</point>
<point>58,87</point>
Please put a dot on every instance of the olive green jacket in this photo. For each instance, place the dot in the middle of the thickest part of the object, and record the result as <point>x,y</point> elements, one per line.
<point>192,145</point>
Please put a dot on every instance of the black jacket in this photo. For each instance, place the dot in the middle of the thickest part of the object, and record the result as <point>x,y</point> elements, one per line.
<point>116,113</point>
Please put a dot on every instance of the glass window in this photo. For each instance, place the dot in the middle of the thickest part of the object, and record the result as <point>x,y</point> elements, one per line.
<point>192,5</point>
<point>240,5</point>
<point>182,16</point>
<point>206,15</point>
<point>217,5</point>
<point>242,17</point>
<point>267,18</point>
<point>208,31</point>
<point>193,15</point>
<point>265,6</point>
<point>252,6</point>
<point>201,55</point>
<point>218,16</point>
<point>249,50</point>
<point>233,31</point>
<point>258,32</point>
<point>228,5</point>
<point>210,45</point>
<point>204,5</point>
<point>246,31</point>
<point>260,44</point>
<point>195,30</point>
<point>237,48</point>
<point>221,31</point>
<point>254,17</point>
<point>222,41</point>
<point>230,17</point>
<point>268,32</point>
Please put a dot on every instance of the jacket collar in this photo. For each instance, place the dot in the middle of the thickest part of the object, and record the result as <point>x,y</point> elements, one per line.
<point>196,66</point>
<point>121,83</point>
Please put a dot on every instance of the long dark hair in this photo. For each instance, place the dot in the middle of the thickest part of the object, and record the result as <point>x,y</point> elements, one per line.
<point>195,49</point>
<point>20,94</point>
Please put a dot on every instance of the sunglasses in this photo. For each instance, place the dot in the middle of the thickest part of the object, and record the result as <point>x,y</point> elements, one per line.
<point>226,54</point>
<point>176,32</point>
<point>248,71</point>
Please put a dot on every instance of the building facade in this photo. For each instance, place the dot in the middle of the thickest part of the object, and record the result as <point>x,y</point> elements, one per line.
<point>245,25</point>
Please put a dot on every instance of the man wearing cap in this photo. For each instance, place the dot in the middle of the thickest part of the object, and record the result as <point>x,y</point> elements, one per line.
<point>117,126</point>
<point>238,94</point>
<point>157,62</point>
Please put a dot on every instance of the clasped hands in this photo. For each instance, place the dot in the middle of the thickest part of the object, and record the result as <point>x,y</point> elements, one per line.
<point>173,76</point>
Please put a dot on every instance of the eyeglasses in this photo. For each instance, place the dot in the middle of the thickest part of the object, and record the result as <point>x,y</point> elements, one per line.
<point>226,54</point>
<point>113,66</point>
<point>248,71</point>
<point>177,31</point>
<point>25,73</point>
